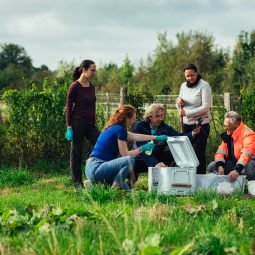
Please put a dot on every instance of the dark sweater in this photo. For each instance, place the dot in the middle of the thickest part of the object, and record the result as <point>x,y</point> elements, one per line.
<point>80,103</point>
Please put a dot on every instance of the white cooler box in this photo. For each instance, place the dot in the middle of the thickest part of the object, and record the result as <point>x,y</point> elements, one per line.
<point>179,180</point>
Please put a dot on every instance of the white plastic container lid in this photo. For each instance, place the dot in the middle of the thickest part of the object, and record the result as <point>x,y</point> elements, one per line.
<point>182,151</point>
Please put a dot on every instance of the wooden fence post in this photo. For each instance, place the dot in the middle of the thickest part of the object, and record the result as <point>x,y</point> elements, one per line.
<point>107,106</point>
<point>227,103</point>
<point>123,95</point>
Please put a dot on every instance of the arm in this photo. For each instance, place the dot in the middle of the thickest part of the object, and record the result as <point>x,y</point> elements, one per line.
<point>179,103</point>
<point>123,149</point>
<point>69,104</point>
<point>220,156</point>
<point>140,137</point>
<point>248,149</point>
<point>170,131</point>
<point>141,127</point>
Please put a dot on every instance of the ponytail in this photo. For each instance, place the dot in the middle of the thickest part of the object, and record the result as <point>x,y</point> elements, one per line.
<point>76,73</point>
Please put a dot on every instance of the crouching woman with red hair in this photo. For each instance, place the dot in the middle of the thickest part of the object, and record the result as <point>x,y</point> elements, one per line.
<point>110,161</point>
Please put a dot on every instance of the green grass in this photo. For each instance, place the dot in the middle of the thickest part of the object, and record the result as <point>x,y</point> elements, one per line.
<point>51,218</point>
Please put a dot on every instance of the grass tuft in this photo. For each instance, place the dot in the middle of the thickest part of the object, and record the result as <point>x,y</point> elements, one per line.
<point>13,178</point>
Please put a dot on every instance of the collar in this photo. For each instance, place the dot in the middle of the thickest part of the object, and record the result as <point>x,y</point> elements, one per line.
<point>153,130</point>
<point>237,131</point>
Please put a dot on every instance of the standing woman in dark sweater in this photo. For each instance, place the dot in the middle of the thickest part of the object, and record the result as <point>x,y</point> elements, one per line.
<point>81,116</point>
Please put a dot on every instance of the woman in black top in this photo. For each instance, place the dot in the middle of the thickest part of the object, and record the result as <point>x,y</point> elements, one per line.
<point>81,116</point>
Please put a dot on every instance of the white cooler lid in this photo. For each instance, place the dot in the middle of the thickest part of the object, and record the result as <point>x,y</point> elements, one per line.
<point>182,151</point>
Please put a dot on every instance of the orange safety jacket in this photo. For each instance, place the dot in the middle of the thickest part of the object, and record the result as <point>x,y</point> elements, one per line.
<point>244,146</point>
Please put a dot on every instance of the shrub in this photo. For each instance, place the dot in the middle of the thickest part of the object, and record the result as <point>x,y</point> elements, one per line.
<point>13,178</point>
<point>36,124</point>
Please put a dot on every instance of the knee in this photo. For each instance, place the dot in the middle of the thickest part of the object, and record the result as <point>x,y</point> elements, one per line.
<point>250,177</point>
<point>250,174</point>
<point>131,160</point>
<point>249,170</point>
<point>211,167</point>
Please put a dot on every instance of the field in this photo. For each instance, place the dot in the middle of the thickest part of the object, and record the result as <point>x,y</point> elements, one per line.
<point>43,214</point>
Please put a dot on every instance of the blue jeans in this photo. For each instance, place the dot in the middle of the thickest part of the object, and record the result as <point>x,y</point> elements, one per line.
<point>116,170</point>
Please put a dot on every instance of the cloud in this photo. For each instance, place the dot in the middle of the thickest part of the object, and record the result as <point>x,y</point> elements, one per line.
<point>38,26</point>
<point>109,30</point>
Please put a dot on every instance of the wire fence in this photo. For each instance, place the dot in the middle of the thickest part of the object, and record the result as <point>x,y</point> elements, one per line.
<point>110,101</point>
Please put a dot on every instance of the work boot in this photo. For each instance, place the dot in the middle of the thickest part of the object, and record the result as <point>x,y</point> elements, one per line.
<point>78,187</point>
<point>251,187</point>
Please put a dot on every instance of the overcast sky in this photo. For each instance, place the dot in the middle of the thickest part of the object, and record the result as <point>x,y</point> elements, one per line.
<point>109,30</point>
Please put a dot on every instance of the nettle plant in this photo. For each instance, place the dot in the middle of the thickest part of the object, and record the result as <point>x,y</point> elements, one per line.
<point>36,123</point>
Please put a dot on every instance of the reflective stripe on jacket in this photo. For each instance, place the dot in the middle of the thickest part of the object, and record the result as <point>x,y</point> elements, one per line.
<point>244,146</point>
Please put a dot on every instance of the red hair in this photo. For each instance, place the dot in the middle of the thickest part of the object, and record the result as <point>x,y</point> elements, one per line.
<point>119,117</point>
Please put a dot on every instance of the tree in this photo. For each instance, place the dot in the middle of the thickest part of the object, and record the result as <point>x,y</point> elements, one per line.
<point>106,78</point>
<point>164,70</point>
<point>125,73</point>
<point>13,54</point>
<point>42,73</point>
<point>15,66</point>
<point>12,77</point>
<point>243,64</point>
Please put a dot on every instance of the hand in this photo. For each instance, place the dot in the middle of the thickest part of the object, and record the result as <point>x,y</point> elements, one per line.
<point>161,164</point>
<point>220,170</point>
<point>161,137</point>
<point>196,130</point>
<point>180,102</point>
<point>69,134</point>
<point>147,147</point>
<point>233,175</point>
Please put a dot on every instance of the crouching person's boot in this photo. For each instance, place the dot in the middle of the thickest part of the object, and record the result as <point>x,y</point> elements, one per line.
<point>251,187</point>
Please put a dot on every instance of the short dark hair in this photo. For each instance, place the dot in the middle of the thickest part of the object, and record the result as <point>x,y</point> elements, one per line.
<point>190,67</point>
<point>78,70</point>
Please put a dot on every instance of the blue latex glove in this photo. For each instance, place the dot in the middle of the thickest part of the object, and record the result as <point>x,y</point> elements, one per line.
<point>161,137</point>
<point>147,147</point>
<point>69,134</point>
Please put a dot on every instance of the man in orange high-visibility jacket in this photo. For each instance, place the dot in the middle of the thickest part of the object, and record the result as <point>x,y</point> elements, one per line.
<point>236,153</point>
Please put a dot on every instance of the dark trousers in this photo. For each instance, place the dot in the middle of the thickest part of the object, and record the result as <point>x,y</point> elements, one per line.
<point>199,145</point>
<point>81,129</point>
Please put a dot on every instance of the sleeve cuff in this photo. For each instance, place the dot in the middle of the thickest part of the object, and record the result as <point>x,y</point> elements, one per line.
<point>220,163</point>
<point>239,168</point>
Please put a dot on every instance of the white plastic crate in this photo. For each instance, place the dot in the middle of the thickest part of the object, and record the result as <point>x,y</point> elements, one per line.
<point>176,180</point>
<point>220,183</point>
